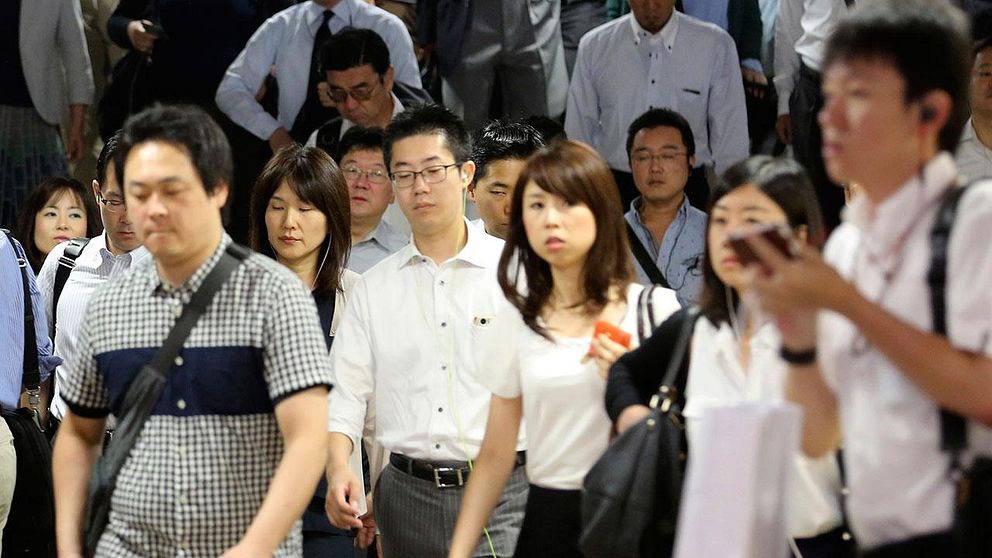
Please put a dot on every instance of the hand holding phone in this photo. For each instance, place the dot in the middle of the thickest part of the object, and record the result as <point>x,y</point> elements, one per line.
<point>778,236</point>
<point>613,332</point>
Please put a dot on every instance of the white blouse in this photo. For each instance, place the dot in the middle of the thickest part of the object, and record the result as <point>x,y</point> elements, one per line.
<point>717,378</point>
<point>564,413</point>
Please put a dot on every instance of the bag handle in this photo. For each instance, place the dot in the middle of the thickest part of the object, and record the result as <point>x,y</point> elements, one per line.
<point>668,391</point>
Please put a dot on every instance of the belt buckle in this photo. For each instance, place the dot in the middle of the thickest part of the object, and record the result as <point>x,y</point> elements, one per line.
<point>441,484</point>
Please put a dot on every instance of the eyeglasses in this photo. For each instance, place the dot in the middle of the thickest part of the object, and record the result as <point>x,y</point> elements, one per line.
<point>375,176</point>
<point>432,175</point>
<point>360,93</point>
<point>666,158</point>
<point>112,206</point>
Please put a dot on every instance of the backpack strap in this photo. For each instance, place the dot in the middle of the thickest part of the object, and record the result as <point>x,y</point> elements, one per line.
<point>66,264</point>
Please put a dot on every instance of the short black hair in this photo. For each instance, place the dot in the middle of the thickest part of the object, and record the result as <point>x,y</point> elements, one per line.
<point>498,141</point>
<point>981,44</point>
<point>187,127</point>
<point>551,130</point>
<point>429,119</point>
<point>106,156</point>
<point>361,139</point>
<point>351,48</point>
<point>655,118</point>
<point>927,43</point>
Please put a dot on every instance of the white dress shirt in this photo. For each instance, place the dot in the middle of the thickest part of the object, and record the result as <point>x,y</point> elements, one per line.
<point>94,267</point>
<point>408,345</point>
<point>689,66</point>
<point>348,124</point>
<point>973,158</point>
<point>717,378</point>
<point>897,474</point>
<point>567,425</point>
<point>285,40</point>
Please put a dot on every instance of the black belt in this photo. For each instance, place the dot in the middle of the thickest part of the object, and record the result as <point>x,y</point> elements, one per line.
<point>444,474</point>
<point>924,546</point>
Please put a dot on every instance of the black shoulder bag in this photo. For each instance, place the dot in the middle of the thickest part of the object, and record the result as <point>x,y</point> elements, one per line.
<point>647,264</point>
<point>973,502</point>
<point>630,497</point>
<point>143,394</point>
<point>30,529</point>
<point>67,263</point>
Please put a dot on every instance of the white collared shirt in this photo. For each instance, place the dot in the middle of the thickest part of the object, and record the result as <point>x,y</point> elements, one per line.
<point>348,124</point>
<point>94,267</point>
<point>897,474</point>
<point>717,378</point>
<point>973,158</point>
<point>689,66</point>
<point>407,346</point>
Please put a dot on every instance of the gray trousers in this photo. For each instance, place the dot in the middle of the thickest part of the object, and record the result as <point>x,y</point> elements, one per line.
<point>520,40</point>
<point>416,519</point>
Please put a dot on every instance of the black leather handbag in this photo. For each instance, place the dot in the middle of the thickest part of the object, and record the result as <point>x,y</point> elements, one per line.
<point>630,497</point>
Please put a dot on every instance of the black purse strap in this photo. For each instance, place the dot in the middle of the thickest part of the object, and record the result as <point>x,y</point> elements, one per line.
<point>32,374</point>
<point>671,386</point>
<point>66,264</point>
<point>647,264</point>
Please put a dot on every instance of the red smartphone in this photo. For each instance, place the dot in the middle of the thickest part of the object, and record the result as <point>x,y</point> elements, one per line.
<point>613,332</point>
<point>778,236</point>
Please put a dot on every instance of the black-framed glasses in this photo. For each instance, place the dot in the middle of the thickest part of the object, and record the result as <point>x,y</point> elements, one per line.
<point>113,206</point>
<point>432,175</point>
<point>375,176</point>
<point>360,93</point>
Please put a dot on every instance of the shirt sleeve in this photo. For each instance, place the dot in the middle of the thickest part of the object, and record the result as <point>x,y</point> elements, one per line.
<point>75,56</point>
<point>83,390</point>
<point>665,303</point>
<point>788,29</point>
<point>727,114</point>
<point>582,114</point>
<point>969,305</point>
<point>243,78</point>
<point>401,55</point>
<point>498,344</point>
<point>353,364</point>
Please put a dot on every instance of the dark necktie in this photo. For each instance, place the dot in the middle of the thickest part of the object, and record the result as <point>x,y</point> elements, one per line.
<point>850,3</point>
<point>312,114</point>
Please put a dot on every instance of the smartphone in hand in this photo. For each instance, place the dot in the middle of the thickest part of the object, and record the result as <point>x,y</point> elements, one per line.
<point>778,236</point>
<point>613,332</point>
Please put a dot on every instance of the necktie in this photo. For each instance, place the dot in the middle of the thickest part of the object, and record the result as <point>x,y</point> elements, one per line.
<point>313,114</point>
<point>850,3</point>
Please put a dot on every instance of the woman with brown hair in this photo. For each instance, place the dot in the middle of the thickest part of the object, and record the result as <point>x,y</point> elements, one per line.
<point>542,358</point>
<point>58,209</point>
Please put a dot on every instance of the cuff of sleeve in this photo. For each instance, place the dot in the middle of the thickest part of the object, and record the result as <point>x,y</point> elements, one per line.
<point>297,389</point>
<point>784,86</point>
<point>753,64</point>
<point>617,404</point>
<point>87,412</point>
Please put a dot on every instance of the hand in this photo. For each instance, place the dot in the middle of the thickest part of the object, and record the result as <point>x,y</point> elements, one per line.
<point>605,352</point>
<point>324,95</point>
<point>141,40</point>
<point>279,139</point>
<point>341,486</point>
<point>76,143</point>
<point>755,82</point>
<point>366,535</point>
<point>783,126</point>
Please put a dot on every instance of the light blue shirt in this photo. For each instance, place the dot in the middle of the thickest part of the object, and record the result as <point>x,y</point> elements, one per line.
<point>12,325</point>
<point>715,12</point>
<point>381,242</point>
<point>689,66</point>
<point>285,41</point>
<point>680,256</point>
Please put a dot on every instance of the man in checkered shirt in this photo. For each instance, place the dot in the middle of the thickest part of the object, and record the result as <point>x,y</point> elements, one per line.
<point>233,450</point>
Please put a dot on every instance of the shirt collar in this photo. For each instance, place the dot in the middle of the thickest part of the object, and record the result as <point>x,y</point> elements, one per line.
<point>397,108</point>
<point>474,252</point>
<point>883,225</point>
<point>315,13</point>
<point>667,33</point>
<point>101,244</point>
<point>635,209</point>
<point>384,234</point>
<point>969,132</point>
<point>195,280</point>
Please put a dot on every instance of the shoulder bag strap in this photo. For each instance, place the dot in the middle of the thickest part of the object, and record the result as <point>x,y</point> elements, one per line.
<point>66,264</point>
<point>647,264</point>
<point>673,384</point>
<point>953,432</point>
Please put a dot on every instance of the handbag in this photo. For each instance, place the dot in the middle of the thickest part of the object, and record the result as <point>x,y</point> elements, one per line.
<point>630,497</point>
<point>143,394</point>
<point>30,529</point>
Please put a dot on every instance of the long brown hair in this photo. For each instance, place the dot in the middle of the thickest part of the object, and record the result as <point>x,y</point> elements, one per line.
<point>574,171</point>
<point>316,179</point>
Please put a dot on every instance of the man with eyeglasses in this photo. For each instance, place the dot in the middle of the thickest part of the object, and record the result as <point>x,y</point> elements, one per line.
<point>102,258</point>
<point>974,154</point>
<point>372,238</point>
<point>670,233</point>
<point>406,349</point>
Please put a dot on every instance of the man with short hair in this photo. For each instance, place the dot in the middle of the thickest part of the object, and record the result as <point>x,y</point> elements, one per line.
<point>862,327</point>
<point>672,233</point>
<point>656,57</point>
<point>372,238</point>
<point>499,152</point>
<point>104,257</point>
<point>974,155</point>
<point>406,345</point>
<point>236,442</point>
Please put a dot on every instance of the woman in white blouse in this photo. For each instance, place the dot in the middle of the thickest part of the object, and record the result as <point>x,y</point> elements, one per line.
<point>734,355</point>
<point>567,233</point>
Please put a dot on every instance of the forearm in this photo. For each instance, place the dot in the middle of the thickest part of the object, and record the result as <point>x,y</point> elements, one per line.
<point>72,463</point>
<point>340,447</point>
<point>804,385</point>
<point>492,469</point>
<point>77,114</point>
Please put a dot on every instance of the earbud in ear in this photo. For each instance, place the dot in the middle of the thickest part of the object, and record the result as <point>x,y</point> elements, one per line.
<point>927,114</point>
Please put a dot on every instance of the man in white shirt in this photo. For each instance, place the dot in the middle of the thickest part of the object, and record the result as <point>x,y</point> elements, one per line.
<point>406,347</point>
<point>103,258</point>
<point>656,57</point>
<point>974,155</point>
<point>858,325</point>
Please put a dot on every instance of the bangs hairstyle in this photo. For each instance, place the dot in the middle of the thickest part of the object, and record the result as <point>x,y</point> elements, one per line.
<point>574,171</point>
<point>52,189</point>
<point>315,179</point>
<point>428,120</point>
<point>927,42</point>
<point>787,184</point>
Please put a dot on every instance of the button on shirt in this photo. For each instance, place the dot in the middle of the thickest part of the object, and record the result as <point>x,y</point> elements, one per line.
<point>205,458</point>
<point>408,346</point>
<point>94,267</point>
<point>286,41</point>
<point>973,158</point>
<point>381,242</point>
<point>680,256</point>
<point>689,66</point>
<point>716,377</point>
<point>801,33</point>
<point>896,472</point>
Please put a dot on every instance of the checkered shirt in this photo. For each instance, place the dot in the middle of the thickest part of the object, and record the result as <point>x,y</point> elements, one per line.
<point>202,465</point>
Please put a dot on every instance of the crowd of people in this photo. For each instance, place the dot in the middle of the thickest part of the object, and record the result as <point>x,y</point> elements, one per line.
<point>472,233</point>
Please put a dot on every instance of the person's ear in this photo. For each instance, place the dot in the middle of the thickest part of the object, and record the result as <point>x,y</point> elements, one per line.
<point>802,234</point>
<point>387,79</point>
<point>935,110</point>
<point>219,196</point>
<point>96,191</point>
<point>692,162</point>
<point>467,173</point>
